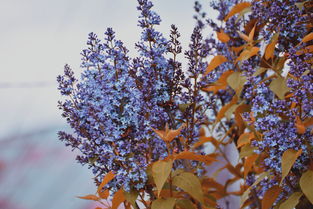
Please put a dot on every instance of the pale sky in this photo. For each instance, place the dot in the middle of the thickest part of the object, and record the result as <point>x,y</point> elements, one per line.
<point>39,36</point>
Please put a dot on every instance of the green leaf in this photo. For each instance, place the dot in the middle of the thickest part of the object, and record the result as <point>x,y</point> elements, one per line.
<point>279,87</point>
<point>131,197</point>
<point>160,172</point>
<point>231,110</point>
<point>259,71</point>
<point>300,5</point>
<point>183,107</point>
<point>246,151</point>
<point>236,81</point>
<point>92,160</point>
<point>163,203</point>
<point>288,159</point>
<point>306,184</point>
<point>185,204</point>
<point>292,201</point>
<point>190,184</point>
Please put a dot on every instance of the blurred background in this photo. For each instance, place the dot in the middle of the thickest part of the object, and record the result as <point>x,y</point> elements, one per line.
<point>37,37</point>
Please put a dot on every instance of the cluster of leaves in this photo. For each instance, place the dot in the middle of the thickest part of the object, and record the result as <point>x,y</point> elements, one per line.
<point>145,126</point>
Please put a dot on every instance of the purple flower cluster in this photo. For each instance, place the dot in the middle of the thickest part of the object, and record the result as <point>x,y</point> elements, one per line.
<point>274,118</point>
<point>118,100</point>
<point>281,16</point>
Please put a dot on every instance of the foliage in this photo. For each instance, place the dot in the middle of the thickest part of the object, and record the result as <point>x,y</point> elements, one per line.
<point>143,124</point>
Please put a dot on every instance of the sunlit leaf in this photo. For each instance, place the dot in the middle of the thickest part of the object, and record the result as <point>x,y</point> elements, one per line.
<point>118,198</point>
<point>160,172</point>
<point>270,196</point>
<point>223,37</point>
<point>215,62</point>
<point>306,184</point>
<point>288,159</point>
<point>236,9</point>
<point>90,197</point>
<point>291,201</point>
<point>163,203</point>
<point>279,87</point>
<point>190,184</point>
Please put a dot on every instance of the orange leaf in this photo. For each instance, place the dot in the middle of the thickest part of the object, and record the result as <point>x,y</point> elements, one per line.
<point>89,197</point>
<point>234,170</point>
<point>300,126</point>
<point>171,134</point>
<point>244,36</point>
<point>244,139</point>
<point>308,37</point>
<point>106,180</point>
<point>221,113</point>
<point>307,49</point>
<point>118,198</point>
<point>168,135</point>
<point>215,62</point>
<point>288,159</point>
<point>239,121</point>
<point>236,9</point>
<point>249,163</point>
<point>270,48</point>
<point>251,34</point>
<point>202,141</point>
<point>214,88</point>
<point>223,37</point>
<point>237,49</point>
<point>308,122</point>
<point>270,196</point>
<point>192,156</point>
<point>221,83</point>
<point>246,54</point>
<point>105,194</point>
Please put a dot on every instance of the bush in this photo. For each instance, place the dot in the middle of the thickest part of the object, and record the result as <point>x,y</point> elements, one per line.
<point>143,124</point>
